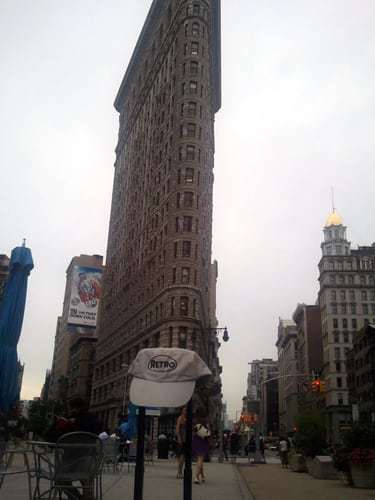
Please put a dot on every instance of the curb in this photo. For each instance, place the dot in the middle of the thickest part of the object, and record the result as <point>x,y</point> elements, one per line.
<point>244,489</point>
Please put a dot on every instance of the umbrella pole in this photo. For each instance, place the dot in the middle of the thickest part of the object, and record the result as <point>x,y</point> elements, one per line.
<point>139,464</point>
<point>189,435</point>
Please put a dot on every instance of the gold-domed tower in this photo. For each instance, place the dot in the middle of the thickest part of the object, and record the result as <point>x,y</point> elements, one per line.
<point>335,239</point>
<point>334,219</point>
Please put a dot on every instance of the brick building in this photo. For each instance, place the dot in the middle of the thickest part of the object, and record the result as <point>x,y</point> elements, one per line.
<point>360,366</point>
<point>159,284</point>
<point>309,348</point>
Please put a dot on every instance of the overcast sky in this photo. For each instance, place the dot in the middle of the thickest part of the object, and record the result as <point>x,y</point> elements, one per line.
<point>298,116</point>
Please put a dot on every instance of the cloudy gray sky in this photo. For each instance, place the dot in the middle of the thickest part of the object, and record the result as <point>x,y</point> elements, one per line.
<point>298,116</point>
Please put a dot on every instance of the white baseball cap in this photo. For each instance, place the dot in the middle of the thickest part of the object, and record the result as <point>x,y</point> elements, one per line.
<point>165,377</point>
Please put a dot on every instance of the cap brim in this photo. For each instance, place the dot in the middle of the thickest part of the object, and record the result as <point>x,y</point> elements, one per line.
<point>160,394</point>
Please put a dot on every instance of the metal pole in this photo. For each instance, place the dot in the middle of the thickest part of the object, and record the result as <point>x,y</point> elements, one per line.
<point>124,397</point>
<point>139,464</point>
<point>189,435</point>
<point>125,387</point>
<point>221,437</point>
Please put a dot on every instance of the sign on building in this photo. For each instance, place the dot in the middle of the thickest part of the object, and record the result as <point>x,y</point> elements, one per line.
<point>85,295</point>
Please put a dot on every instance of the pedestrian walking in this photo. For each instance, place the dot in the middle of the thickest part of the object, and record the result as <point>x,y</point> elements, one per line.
<point>251,449</point>
<point>283,450</point>
<point>262,447</point>
<point>200,447</point>
<point>163,446</point>
<point>234,444</point>
<point>181,442</point>
<point>225,445</point>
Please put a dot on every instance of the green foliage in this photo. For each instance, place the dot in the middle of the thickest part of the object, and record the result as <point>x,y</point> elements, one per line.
<point>40,416</point>
<point>361,435</point>
<point>310,436</point>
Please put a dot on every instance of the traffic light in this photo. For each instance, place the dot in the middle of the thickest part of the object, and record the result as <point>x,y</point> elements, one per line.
<point>316,386</point>
<point>322,386</point>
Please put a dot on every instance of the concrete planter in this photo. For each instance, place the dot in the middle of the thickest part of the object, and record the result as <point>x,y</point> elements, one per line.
<point>323,468</point>
<point>298,463</point>
<point>363,475</point>
<point>310,465</point>
<point>345,478</point>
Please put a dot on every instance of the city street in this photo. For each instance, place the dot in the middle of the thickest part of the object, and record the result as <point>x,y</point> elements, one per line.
<point>271,482</point>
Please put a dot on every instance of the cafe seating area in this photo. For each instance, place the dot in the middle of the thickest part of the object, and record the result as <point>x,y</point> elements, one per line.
<point>72,468</point>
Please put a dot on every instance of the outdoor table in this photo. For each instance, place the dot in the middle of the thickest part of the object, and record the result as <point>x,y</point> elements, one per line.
<point>7,469</point>
<point>43,463</point>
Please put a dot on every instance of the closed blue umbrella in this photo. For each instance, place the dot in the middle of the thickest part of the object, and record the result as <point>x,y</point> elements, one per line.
<point>12,308</point>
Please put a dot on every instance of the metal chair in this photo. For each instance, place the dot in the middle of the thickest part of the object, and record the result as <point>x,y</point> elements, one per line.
<point>149,452</point>
<point>132,453</point>
<point>77,468</point>
<point>7,467</point>
<point>111,454</point>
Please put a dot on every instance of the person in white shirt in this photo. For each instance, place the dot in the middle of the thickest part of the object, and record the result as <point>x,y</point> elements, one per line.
<point>103,435</point>
<point>283,449</point>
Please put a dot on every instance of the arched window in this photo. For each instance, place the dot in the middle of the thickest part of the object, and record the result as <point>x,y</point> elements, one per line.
<point>195,29</point>
<point>184,306</point>
<point>190,152</point>
<point>192,109</point>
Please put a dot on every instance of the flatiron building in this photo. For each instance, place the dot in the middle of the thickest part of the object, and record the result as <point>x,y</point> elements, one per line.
<point>159,282</point>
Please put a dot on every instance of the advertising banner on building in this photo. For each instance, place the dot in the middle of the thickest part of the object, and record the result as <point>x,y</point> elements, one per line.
<point>85,296</point>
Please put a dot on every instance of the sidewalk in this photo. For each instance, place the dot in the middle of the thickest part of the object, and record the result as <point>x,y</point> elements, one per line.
<point>223,482</point>
<point>271,482</point>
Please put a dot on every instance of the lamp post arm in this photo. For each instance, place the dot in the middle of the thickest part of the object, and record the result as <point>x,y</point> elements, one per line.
<point>286,376</point>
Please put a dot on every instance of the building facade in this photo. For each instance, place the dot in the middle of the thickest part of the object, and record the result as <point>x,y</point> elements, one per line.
<point>269,408</point>
<point>360,366</point>
<point>288,382</point>
<point>347,304</point>
<point>260,394</point>
<point>309,348</point>
<point>69,330</point>
<point>159,282</point>
<point>260,371</point>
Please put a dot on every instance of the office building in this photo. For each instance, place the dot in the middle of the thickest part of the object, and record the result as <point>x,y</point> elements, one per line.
<point>347,304</point>
<point>288,382</point>
<point>158,288</point>
<point>76,326</point>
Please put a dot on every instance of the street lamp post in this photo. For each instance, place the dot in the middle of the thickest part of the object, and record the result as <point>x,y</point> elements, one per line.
<point>221,437</point>
<point>221,421</point>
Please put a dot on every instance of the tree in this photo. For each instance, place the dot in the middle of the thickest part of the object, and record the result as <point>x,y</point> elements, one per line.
<point>41,414</point>
<point>310,436</point>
